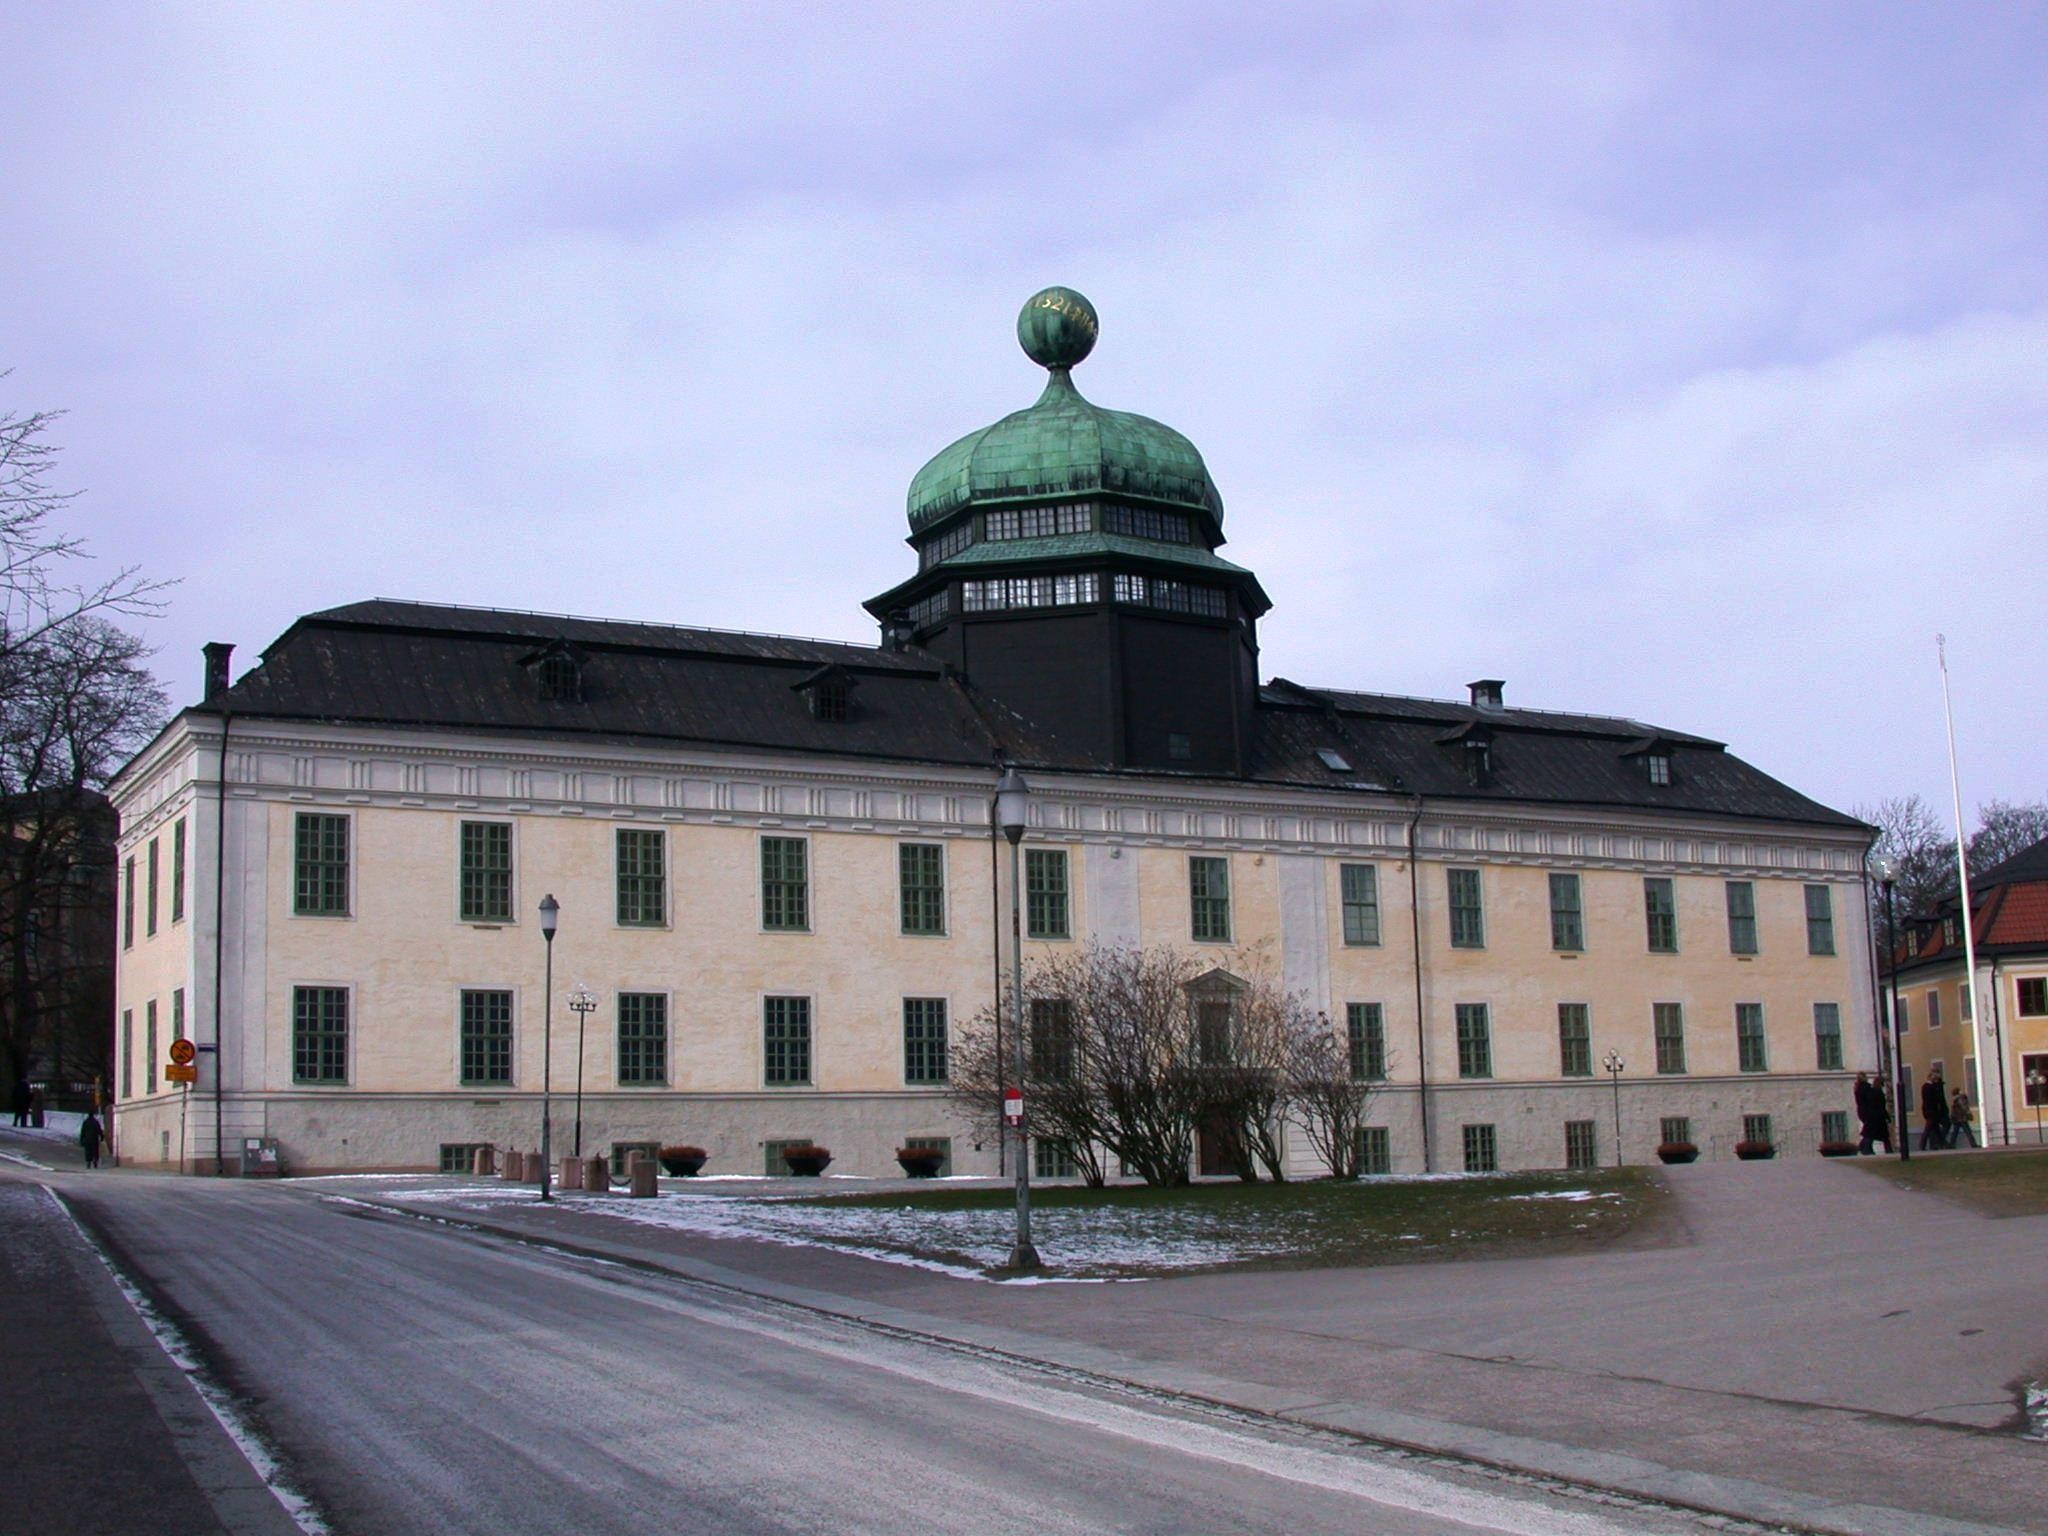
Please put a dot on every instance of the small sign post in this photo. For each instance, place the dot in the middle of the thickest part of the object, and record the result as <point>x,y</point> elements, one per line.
<point>1013,1108</point>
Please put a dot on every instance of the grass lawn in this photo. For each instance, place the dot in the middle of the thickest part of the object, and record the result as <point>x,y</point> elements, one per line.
<point>1128,1231</point>
<point>1998,1182</point>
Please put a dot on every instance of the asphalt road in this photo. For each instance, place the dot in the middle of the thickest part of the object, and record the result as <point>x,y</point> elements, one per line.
<point>419,1378</point>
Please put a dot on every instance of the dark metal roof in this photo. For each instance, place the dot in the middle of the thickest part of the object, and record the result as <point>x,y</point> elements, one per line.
<point>411,664</point>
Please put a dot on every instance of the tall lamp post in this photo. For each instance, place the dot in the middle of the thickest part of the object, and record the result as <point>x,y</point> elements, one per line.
<point>1888,876</point>
<point>550,914</point>
<point>1613,1065</point>
<point>1013,810</point>
<point>2037,1091</point>
<point>582,1003</point>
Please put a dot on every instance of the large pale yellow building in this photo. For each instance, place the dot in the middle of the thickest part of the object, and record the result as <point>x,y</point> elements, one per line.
<point>778,881</point>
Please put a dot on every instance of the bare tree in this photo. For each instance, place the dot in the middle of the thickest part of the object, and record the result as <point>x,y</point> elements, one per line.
<point>2005,828</point>
<point>1135,1053</point>
<point>1922,851</point>
<point>75,702</point>
<point>41,588</point>
<point>1328,1095</point>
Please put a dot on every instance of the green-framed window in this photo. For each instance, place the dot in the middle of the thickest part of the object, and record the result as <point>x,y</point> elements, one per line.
<point>1581,1145</point>
<point>1751,1053</point>
<point>149,1046</point>
<point>1045,894</point>
<point>640,856</point>
<point>1209,899</point>
<point>924,1040</point>
<point>178,871</point>
<point>1052,1039</point>
<point>1667,1023</point>
<point>1834,1125</point>
<point>1660,915</point>
<point>1359,886</point>
<point>785,884</point>
<point>320,865</point>
<point>1758,1128</point>
<point>1375,1149</point>
<point>155,883</point>
<point>128,903</point>
<point>320,1034</point>
<point>786,1041</point>
<point>1567,914</point>
<point>1827,1037</point>
<point>127,1053</point>
<point>921,887</point>
<point>1741,917</point>
<point>643,1039</point>
<point>1468,908</point>
<point>1052,1158</point>
<point>177,1013</point>
<point>1820,920</point>
<point>486,871</point>
<point>1475,1041</point>
<point>1482,1149</point>
<point>1365,1028</point>
<point>486,1037</point>
<point>1675,1128</point>
<point>1574,1040</point>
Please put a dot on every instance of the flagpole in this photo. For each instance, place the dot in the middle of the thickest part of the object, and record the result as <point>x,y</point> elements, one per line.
<point>1955,785</point>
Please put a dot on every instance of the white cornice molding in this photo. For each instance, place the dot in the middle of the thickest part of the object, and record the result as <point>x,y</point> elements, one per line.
<point>511,775</point>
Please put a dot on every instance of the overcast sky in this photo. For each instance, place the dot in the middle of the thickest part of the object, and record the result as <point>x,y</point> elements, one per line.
<point>1681,362</point>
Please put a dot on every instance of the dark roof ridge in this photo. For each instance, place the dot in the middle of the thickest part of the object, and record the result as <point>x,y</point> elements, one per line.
<point>1564,721</point>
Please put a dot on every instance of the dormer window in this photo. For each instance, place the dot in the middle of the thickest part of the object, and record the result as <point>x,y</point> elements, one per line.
<point>828,692</point>
<point>1478,759</point>
<point>1657,766</point>
<point>557,673</point>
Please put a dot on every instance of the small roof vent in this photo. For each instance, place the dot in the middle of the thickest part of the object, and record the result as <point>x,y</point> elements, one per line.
<point>1334,760</point>
<point>1486,693</point>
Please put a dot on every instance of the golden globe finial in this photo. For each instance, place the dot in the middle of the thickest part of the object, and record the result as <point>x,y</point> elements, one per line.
<point>1056,328</point>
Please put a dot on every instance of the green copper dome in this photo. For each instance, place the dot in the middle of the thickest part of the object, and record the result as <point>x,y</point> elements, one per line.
<point>1063,445</point>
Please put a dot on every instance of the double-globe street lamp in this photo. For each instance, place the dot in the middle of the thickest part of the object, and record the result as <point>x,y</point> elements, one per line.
<point>1013,811</point>
<point>1613,1065</point>
<point>582,1003</point>
<point>550,914</point>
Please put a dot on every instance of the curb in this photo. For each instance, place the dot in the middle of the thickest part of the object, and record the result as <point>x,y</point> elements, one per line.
<point>1593,1471</point>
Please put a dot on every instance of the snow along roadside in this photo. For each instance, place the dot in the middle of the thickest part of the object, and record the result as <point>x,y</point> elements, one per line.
<point>219,1402</point>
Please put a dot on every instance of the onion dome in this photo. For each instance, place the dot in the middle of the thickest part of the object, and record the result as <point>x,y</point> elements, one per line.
<point>1063,445</point>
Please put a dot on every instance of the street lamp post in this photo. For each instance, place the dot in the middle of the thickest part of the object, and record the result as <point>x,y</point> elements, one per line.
<point>2037,1090</point>
<point>550,913</point>
<point>1013,810</point>
<point>1613,1065</point>
<point>1888,876</point>
<point>582,1003</point>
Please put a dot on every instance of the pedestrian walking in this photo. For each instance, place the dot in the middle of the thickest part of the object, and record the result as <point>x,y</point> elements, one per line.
<point>89,1137</point>
<point>1933,1111</point>
<point>1873,1116</point>
<point>22,1096</point>
<point>1959,1120</point>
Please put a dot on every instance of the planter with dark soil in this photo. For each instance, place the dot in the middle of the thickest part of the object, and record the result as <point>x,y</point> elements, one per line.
<point>1838,1149</point>
<point>1677,1152</point>
<point>682,1162</point>
<point>1755,1151</point>
<point>806,1162</point>
<point>920,1162</point>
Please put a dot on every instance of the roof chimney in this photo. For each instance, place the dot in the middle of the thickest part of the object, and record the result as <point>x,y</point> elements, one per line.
<point>217,654</point>
<point>1486,693</point>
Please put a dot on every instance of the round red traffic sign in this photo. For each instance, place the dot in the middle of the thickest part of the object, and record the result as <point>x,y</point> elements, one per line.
<point>182,1052</point>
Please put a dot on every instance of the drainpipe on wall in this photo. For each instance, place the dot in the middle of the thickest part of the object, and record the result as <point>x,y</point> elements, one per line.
<point>2004,1089</point>
<point>1421,1024</point>
<point>217,654</point>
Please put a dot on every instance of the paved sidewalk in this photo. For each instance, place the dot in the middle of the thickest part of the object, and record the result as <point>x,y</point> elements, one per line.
<point>1813,1345</point>
<point>103,1432</point>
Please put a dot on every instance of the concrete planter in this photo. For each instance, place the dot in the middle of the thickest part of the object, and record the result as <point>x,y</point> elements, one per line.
<point>807,1162</point>
<point>683,1162</point>
<point>1677,1152</point>
<point>1755,1151</point>
<point>920,1165</point>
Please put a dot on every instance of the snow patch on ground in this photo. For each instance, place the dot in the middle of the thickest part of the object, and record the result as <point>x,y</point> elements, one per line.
<point>1567,1194</point>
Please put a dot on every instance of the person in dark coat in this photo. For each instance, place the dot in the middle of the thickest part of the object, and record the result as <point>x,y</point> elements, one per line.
<point>23,1096</point>
<point>1959,1120</point>
<point>1873,1116</point>
<point>1933,1112</point>
<point>89,1137</point>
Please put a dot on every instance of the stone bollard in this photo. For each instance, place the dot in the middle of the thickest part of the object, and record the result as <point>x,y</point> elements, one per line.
<point>598,1180</point>
<point>640,1172</point>
<point>486,1162</point>
<point>572,1173</point>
